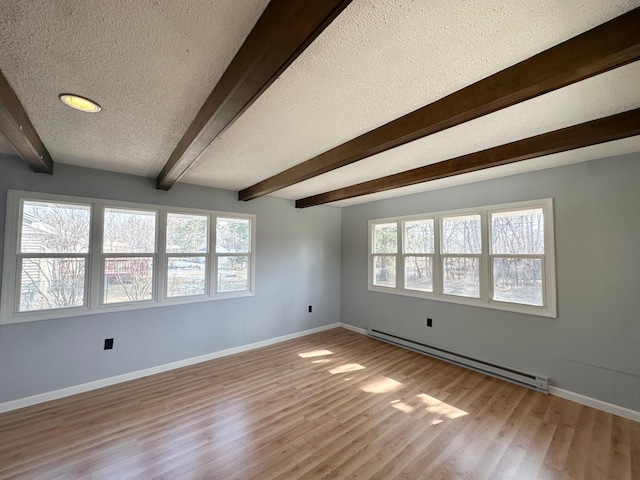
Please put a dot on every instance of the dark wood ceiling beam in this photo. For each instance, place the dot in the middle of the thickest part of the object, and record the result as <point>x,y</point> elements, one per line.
<point>603,130</point>
<point>16,127</point>
<point>610,45</point>
<point>283,31</point>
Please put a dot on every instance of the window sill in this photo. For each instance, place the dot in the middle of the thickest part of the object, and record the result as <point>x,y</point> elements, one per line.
<point>467,301</point>
<point>121,307</point>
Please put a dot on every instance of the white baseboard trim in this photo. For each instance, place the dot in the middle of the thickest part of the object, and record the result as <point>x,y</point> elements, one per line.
<point>559,392</point>
<point>106,382</point>
<point>353,329</point>
<point>595,403</point>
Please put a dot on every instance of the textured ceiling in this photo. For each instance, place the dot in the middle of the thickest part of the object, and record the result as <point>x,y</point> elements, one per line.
<point>607,94</point>
<point>151,64</point>
<point>618,147</point>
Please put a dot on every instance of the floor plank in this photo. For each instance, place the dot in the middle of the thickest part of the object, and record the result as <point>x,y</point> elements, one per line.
<point>332,405</point>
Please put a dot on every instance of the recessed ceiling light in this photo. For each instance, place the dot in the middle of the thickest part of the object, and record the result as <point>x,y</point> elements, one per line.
<point>80,103</point>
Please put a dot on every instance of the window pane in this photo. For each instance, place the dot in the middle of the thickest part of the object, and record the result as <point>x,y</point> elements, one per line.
<point>186,276</point>
<point>233,273</point>
<point>233,235</point>
<point>384,271</point>
<point>186,233</point>
<point>49,227</point>
<point>385,238</point>
<point>48,283</point>
<point>461,276</point>
<point>418,273</point>
<point>128,279</point>
<point>520,232</point>
<point>418,236</point>
<point>461,234</point>
<point>518,280</point>
<point>129,231</point>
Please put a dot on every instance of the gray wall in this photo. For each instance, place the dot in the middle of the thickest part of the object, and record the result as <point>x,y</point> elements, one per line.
<point>593,347</point>
<point>297,265</point>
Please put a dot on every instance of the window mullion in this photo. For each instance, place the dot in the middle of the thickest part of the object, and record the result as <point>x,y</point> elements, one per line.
<point>53,255</point>
<point>486,285</point>
<point>548,271</point>
<point>210,259</point>
<point>213,273</point>
<point>545,298</point>
<point>518,255</point>
<point>131,255</point>
<point>437,258</point>
<point>11,268</point>
<point>96,275</point>
<point>400,280</point>
<point>160,263</point>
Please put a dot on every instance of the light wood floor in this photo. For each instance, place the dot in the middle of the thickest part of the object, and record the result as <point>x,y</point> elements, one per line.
<point>331,405</point>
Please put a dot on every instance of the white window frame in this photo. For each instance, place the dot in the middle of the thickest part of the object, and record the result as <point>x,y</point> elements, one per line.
<point>167,255</point>
<point>215,255</point>
<point>548,309</point>
<point>403,253</point>
<point>99,252</point>
<point>93,269</point>
<point>397,255</point>
<point>443,256</point>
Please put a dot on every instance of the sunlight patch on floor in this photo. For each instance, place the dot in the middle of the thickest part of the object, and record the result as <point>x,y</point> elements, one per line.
<point>315,353</point>
<point>347,367</point>
<point>383,385</point>
<point>436,406</point>
<point>403,407</point>
<point>322,360</point>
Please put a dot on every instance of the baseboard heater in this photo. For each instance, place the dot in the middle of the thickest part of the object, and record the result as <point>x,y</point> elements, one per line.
<point>538,383</point>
